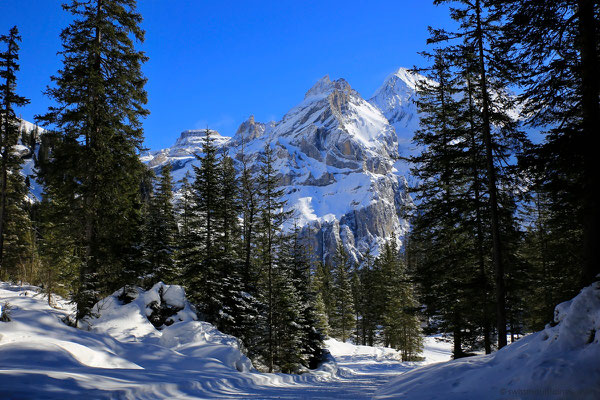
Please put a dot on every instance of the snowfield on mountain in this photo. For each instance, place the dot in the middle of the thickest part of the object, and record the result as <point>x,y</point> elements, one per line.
<point>338,157</point>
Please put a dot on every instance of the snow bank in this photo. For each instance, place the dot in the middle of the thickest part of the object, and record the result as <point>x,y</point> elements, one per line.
<point>133,314</point>
<point>36,335</point>
<point>562,361</point>
<point>163,317</point>
<point>41,357</point>
<point>339,349</point>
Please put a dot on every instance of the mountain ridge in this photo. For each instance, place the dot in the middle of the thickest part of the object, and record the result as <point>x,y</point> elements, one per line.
<point>338,157</point>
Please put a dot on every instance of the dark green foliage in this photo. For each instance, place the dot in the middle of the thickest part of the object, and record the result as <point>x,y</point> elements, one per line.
<point>203,266</point>
<point>555,48</point>
<point>342,320</point>
<point>269,240</point>
<point>16,231</point>
<point>401,325</point>
<point>322,282</point>
<point>160,232</point>
<point>94,168</point>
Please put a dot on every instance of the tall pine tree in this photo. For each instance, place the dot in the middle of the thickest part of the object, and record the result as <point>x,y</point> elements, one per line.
<point>14,220</point>
<point>95,167</point>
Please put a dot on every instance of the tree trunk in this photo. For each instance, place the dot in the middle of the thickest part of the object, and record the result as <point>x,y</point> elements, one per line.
<point>491,175</point>
<point>590,88</point>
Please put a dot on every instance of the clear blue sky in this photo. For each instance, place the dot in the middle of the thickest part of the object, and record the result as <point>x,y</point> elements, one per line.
<point>217,62</point>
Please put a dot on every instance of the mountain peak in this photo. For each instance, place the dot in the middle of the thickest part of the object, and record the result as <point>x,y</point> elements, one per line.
<point>408,76</point>
<point>325,86</point>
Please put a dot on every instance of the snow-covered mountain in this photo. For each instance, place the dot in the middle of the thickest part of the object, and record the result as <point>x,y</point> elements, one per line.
<point>339,159</point>
<point>395,98</point>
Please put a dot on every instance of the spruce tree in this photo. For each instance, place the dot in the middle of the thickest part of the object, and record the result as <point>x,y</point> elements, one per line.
<point>95,166</point>
<point>160,231</point>
<point>12,194</point>
<point>203,264</point>
<point>369,279</point>
<point>186,240</point>
<point>299,265</point>
<point>438,234</point>
<point>343,318</point>
<point>271,218</point>
<point>401,325</point>
<point>479,31</point>
<point>555,47</point>
<point>322,284</point>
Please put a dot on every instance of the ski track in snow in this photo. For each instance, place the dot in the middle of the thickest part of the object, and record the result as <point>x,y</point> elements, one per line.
<point>42,358</point>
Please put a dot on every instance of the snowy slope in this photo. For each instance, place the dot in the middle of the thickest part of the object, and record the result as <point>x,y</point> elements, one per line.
<point>562,361</point>
<point>123,356</point>
<point>27,155</point>
<point>396,99</point>
<point>337,155</point>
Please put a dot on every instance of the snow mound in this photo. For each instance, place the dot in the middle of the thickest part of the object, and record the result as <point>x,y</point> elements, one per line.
<point>339,349</point>
<point>37,329</point>
<point>134,314</point>
<point>202,340</point>
<point>162,316</point>
<point>559,362</point>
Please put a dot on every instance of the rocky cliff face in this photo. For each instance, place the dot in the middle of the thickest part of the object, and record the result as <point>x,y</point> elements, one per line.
<point>338,157</point>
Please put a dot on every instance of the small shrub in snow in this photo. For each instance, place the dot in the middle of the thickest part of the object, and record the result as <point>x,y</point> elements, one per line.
<point>69,320</point>
<point>5,312</point>
<point>128,294</point>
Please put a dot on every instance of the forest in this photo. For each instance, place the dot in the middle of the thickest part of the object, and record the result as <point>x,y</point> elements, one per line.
<point>502,227</point>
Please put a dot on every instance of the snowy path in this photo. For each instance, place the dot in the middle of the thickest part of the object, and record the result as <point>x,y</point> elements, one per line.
<point>42,358</point>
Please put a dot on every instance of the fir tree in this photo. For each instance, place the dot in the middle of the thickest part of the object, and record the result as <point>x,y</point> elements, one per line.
<point>370,307</point>
<point>186,239</point>
<point>479,29</point>
<point>555,47</point>
<point>160,232</point>
<point>95,166</point>
<point>342,320</point>
<point>12,194</point>
<point>438,235</point>
<point>203,265</point>
<point>322,285</point>
<point>271,218</point>
<point>401,326</point>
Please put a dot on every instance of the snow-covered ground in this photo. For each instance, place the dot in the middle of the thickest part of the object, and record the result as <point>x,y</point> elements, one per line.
<point>560,362</point>
<point>123,356</point>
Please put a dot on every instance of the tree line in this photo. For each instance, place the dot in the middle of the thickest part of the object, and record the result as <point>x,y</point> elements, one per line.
<point>503,227</point>
<point>106,221</point>
<point>502,230</point>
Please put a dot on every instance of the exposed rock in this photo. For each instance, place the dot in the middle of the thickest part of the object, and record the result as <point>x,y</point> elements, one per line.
<point>336,154</point>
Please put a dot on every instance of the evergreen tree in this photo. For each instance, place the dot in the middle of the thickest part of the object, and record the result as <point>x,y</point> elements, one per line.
<point>371,281</point>
<point>186,239</point>
<point>12,186</point>
<point>271,218</point>
<point>287,310</point>
<point>203,265</point>
<point>160,232</point>
<point>240,309</point>
<point>438,236</point>
<point>478,32</point>
<point>300,265</point>
<point>555,47</point>
<point>249,203</point>
<point>358,301</point>
<point>401,326</point>
<point>342,319</point>
<point>322,286</point>
<point>95,167</point>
